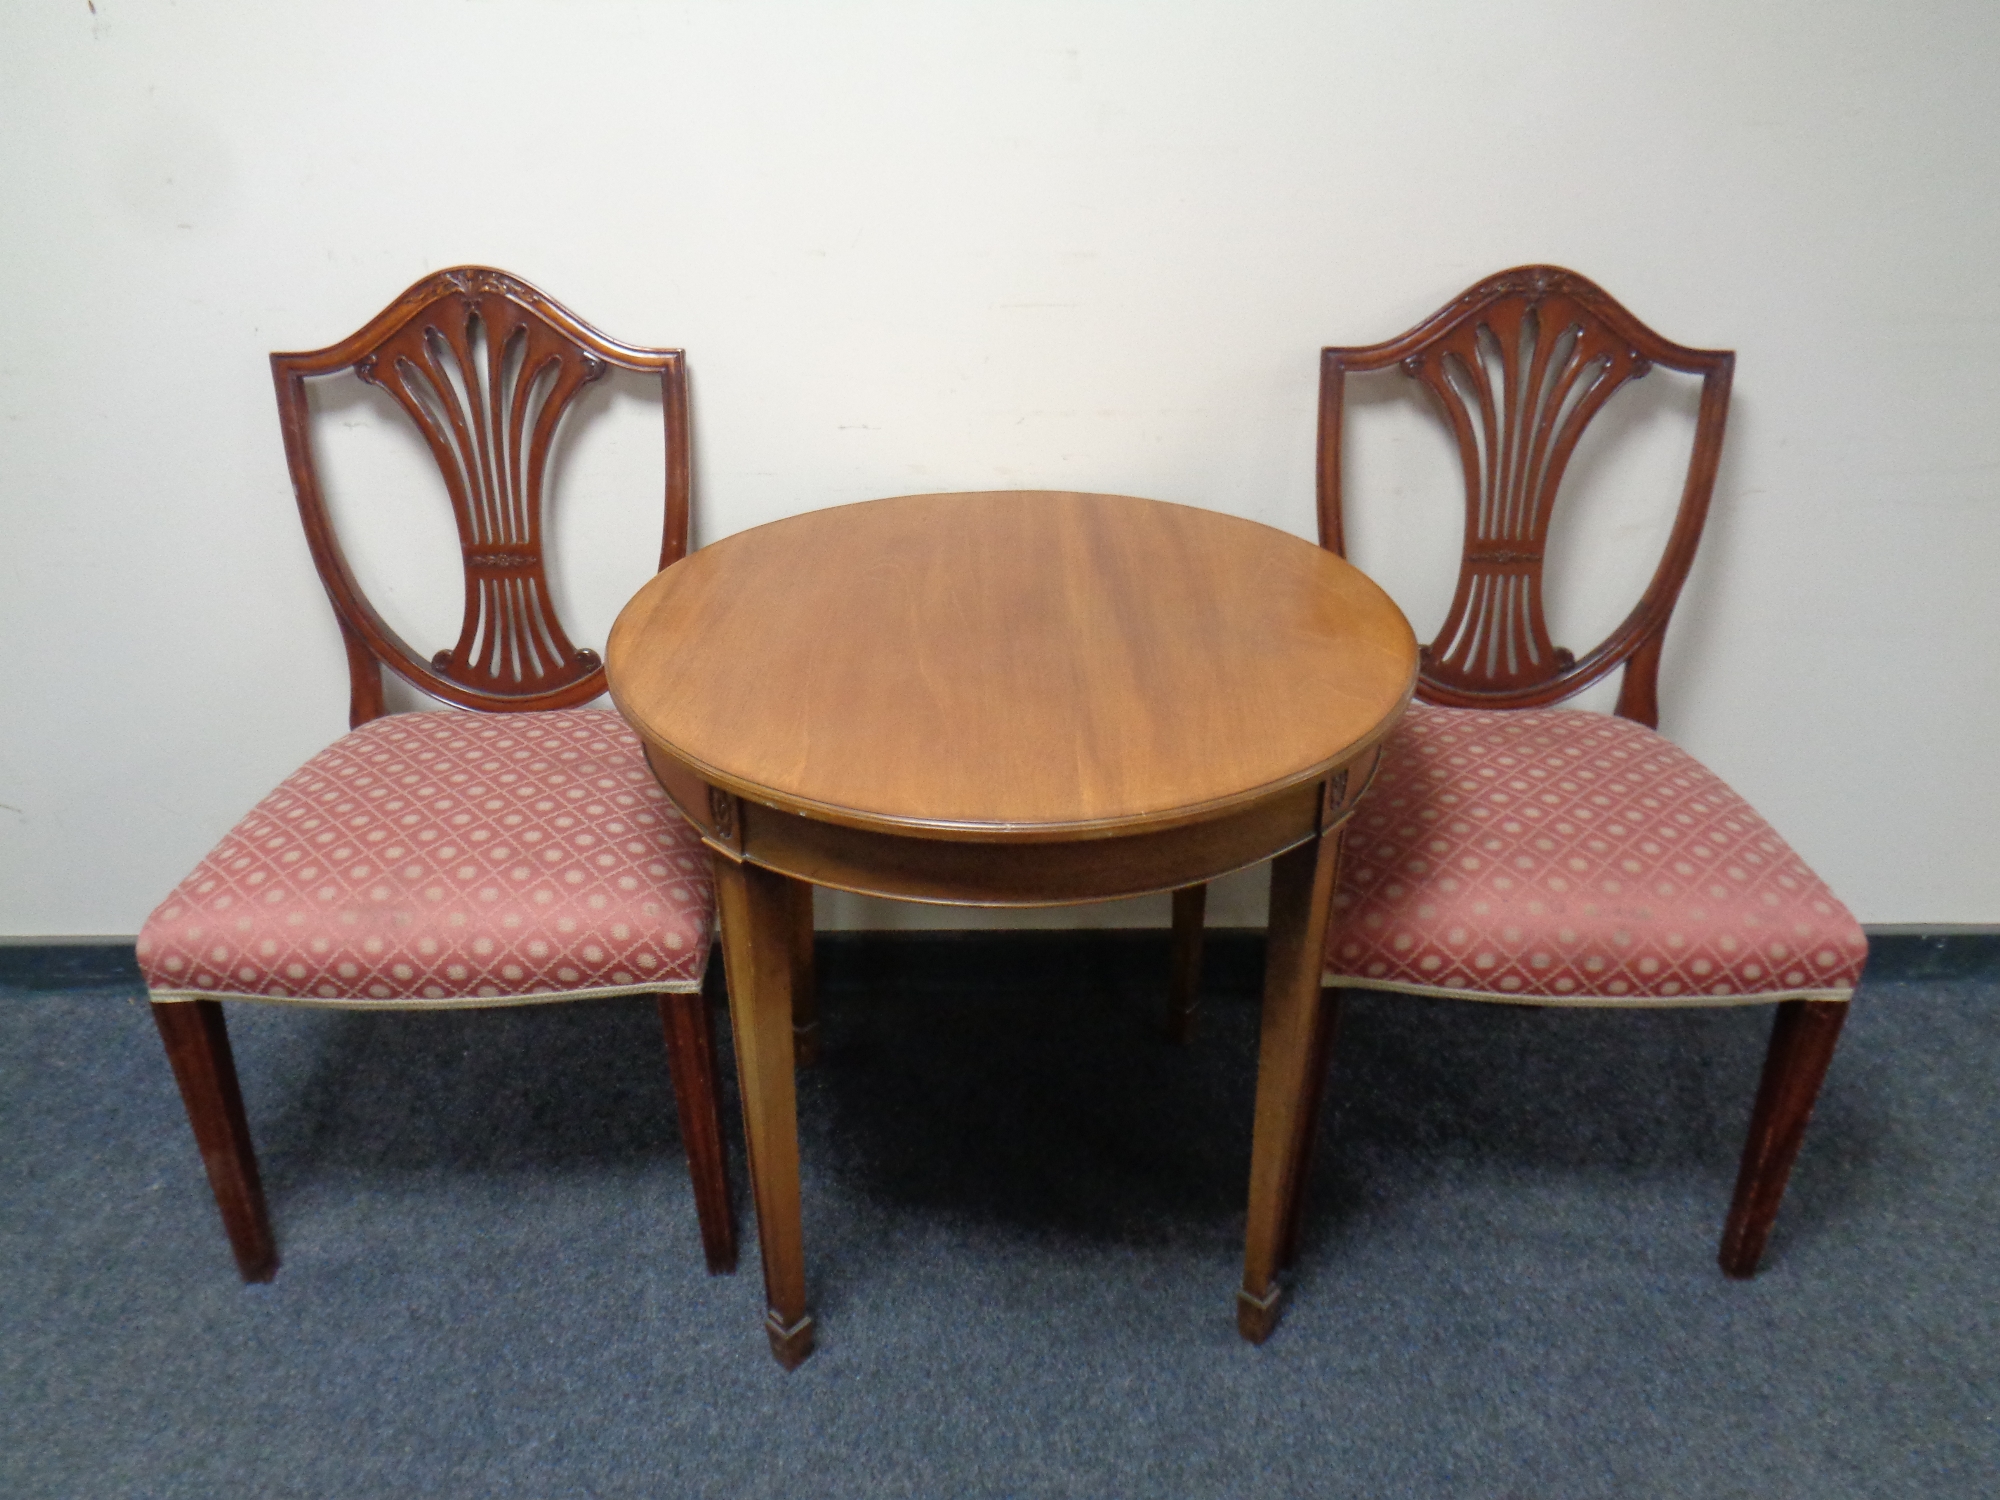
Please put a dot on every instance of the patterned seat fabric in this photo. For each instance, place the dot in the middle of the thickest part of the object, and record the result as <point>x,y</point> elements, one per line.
<point>1567,857</point>
<point>447,858</point>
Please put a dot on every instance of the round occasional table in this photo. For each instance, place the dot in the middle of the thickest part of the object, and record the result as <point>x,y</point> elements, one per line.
<point>1015,698</point>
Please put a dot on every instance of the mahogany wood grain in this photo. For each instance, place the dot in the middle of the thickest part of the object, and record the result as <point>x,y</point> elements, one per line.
<point>1018,698</point>
<point>1015,665</point>
<point>486,366</point>
<point>197,1043</point>
<point>1518,366</point>
<point>1803,1036</point>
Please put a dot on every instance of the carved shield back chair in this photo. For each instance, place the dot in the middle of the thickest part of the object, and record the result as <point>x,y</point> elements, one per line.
<point>517,853</point>
<point>1512,851</point>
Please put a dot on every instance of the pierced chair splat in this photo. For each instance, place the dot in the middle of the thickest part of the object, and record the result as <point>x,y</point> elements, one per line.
<point>515,854</point>
<point>1512,851</point>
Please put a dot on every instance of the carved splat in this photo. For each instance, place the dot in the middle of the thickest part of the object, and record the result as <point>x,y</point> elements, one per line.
<point>1518,366</point>
<point>486,367</point>
<point>487,383</point>
<point>1518,383</point>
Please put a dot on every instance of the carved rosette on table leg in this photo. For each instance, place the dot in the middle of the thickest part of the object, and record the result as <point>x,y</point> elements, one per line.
<point>1302,882</point>
<point>759,924</point>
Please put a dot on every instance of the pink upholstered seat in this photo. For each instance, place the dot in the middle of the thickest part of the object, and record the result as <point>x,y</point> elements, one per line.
<point>1570,858</point>
<point>447,858</point>
<point>511,850</point>
<point>1513,851</point>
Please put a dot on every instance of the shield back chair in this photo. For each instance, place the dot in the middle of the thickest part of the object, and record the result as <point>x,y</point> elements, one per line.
<point>1512,851</point>
<point>518,853</point>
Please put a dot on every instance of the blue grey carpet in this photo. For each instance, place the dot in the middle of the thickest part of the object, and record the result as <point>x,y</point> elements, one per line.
<point>1023,1218</point>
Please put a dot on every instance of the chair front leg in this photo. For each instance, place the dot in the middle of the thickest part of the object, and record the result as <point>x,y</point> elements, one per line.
<point>1184,986</point>
<point>691,1060</point>
<point>1802,1042</point>
<point>197,1044</point>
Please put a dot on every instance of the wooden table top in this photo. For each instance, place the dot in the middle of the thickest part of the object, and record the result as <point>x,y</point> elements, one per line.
<point>1010,665</point>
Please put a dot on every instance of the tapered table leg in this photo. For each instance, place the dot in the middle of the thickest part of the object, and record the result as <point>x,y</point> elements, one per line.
<point>1184,984</point>
<point>1302,882</point>
<point>1326,1031</point>
<point>805,994</point>
<point>691,1060</point>
<point>759,944</point>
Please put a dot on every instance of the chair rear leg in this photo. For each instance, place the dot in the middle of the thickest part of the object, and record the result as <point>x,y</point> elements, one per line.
<point>1184,987</point>
<point>197,1044</point>
<point>1802,1042</point>
<point>691,1060</point>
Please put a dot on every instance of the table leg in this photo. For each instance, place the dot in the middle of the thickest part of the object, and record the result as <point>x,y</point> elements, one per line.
<point>1302,882</point>
<point>1184,983</point>
<point>805,992</point>
<point>759,944</point>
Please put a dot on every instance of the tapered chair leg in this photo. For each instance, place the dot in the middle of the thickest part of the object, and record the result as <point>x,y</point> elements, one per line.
<point>1184,985</point>
<point>1802,1041</point>
<point>691,1060</point>
<point>197,1044</point>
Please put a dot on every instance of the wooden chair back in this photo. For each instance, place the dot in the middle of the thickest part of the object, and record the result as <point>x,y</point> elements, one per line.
<point>1518,366</point>
<point>486,366</point>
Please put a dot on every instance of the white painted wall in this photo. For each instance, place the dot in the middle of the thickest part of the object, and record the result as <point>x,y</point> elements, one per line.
<point>934,246</point>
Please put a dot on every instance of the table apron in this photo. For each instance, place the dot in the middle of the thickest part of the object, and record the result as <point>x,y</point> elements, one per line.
<point>963,872</point>
<point>959,872</point>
